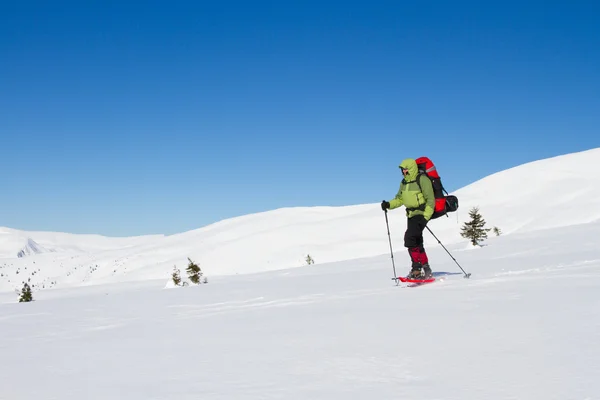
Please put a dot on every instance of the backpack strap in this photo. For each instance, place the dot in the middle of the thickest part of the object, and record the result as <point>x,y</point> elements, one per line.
<point>419,182</point>
<point>419,175</point>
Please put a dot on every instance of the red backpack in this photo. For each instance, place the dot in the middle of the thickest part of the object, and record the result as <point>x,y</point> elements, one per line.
<point>443,204</point>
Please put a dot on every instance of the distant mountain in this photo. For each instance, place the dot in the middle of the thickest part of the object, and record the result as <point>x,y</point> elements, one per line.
<point>32,248</point>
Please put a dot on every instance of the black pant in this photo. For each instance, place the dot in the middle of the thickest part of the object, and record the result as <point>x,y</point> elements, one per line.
<point>413,240</point>
<point>413,237</point>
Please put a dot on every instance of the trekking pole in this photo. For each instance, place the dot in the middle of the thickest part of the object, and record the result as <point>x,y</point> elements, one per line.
<point>466,275</point>
<point>395,278</point>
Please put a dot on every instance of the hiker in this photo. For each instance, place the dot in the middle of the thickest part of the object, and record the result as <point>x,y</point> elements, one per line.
<point>419,201</point>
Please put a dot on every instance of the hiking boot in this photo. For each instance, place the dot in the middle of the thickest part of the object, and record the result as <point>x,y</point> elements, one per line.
<point>427,271</point>
<point>416,273</point>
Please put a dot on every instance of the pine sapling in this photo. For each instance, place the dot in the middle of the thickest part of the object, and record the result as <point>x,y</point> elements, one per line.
<point>194,272</point>
<point>475,230</point>
<point>176,276</point>
<point>26,295</point>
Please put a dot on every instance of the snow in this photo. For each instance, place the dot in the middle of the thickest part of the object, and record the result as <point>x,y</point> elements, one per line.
<point>18,244</point>
<point>267,326</point>
<point>544,194</point>
<point>525,325</point>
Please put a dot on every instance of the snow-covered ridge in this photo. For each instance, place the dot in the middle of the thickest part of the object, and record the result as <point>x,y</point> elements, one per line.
<point>15,243</point>
<point>550,193</point>
<point>32,248</point>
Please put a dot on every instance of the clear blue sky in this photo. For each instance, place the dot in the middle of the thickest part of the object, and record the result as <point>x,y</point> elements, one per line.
<point>126,118</point>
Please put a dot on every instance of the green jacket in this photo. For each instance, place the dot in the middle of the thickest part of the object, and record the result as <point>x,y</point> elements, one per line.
<point>417,202</point>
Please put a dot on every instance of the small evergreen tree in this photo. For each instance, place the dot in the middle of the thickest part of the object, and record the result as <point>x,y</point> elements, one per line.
<point>309,260</point>
<point>474,230</point>
<point>497,231</point>
<point>194,272</point>
<point>176,276</point>
<point>26,295</point>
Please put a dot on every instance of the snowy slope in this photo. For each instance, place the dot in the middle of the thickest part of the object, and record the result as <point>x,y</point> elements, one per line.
<point>32,248</point>
<point>538,195</point>
<point>526,325</point>
<point>18,244</point>
<point>554,192</point>
<point>13,241</point>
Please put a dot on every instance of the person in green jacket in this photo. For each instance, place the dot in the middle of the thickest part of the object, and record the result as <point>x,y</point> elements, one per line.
<point>419,201</point>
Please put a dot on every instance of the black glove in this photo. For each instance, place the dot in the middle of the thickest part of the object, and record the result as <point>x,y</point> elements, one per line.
<point>385,205</point>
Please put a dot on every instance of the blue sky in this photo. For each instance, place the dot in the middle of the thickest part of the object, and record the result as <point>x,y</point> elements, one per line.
<point>122,119</point>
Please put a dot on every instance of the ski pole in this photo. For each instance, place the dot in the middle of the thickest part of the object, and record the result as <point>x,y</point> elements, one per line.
<point>466,275</point>
<point>391,251</point>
